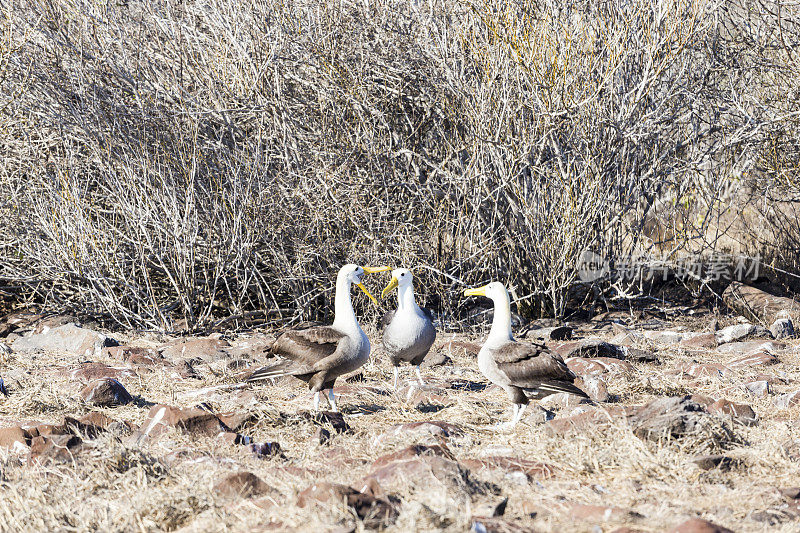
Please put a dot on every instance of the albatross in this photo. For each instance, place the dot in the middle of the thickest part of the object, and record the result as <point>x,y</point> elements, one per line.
<point>408,331</point>
<point>320,354</point>
<point>523,370</point>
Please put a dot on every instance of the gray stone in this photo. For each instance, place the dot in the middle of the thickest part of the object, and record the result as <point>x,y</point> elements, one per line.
<point>783,328</point>
<point>67,338</point>
<point>759,388</point>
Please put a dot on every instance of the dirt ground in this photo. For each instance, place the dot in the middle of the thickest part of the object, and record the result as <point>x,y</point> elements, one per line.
<point>592,474</point>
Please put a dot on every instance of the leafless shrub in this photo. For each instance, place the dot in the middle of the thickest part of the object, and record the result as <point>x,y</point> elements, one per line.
<point>215,163</point>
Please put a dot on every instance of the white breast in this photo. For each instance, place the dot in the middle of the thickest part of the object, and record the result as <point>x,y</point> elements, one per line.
<point>488,368</point>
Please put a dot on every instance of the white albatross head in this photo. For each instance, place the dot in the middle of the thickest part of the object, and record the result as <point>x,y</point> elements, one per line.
<point>353,274</point>
<point>401,277</point>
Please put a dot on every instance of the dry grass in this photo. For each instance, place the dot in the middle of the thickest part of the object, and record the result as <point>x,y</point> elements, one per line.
<point>167,484</point>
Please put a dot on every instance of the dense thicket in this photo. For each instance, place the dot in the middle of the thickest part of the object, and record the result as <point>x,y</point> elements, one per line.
<point>202,160</point>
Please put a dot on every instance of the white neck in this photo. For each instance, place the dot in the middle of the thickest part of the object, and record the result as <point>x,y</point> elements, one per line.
<point>405,298</point>
<point>501,325</point>
<point>345,318</point>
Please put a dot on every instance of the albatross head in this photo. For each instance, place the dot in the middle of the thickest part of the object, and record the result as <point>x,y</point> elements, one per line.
<point>401,277</point>
<point>495,290</point>
<point>353,274</point>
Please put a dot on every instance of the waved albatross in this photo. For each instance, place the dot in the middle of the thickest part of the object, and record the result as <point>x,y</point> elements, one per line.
<point>320,354</point>
<point>523,370</point>
<point>408,331</point>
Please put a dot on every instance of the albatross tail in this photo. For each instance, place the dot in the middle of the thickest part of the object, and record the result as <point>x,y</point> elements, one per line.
<point>554,387</point>
<point>271,372</point>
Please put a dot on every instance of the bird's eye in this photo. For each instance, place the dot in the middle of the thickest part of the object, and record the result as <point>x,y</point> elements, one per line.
<point>402,274</point>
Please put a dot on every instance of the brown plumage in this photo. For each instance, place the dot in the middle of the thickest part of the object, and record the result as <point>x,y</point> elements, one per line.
<point>533,371</point>
<point>312,355</point>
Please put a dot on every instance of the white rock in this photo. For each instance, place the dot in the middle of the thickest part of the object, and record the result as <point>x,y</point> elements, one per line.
<point>734,333</point>
<point>782,328</point>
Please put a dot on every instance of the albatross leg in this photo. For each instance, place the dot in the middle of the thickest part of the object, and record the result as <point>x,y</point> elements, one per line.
<point>419,377</point>
<point>316,401</point>
<point>504,426</point>
<point>518,415</point>
<point>332,401</point>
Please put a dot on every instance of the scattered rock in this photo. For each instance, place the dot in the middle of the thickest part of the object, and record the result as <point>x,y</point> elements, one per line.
<point>460,348</point>
<point>698,525</point>
<point>416,430</point>
<point>322,436</point>
<point>598,365</point>
<point>562,400</point>
<point>782,328</point>
<point>375,512</point>
<point>411,452</point>
<point>792,449</point>
<point>741,413</point>
<point>735,333</point>
<point>335,419</point>
<point>759,388</point>
<point>135,355</point>
<point>92,371</point>
<point>419,472</point>
<point>106,392</point>
<point>265,449</point>
<point>489,524</point>
<point>591,420</point>
<point>702,370</point>
<point>787,400</point>
<point>753,359</point>
<point>746,347</point>
<point>54,448</point>
<point>700,340</point>
<point>533,470</point>
<point>192,420</point>
<point>664,337</point>
<point>67,338</point>
<point>709,462</point>
<point>12,436</point>
<point>676,418</point>
<point>202,348</point>
<point>758,305</point>
<point>557,333</point>
<point>594,386</point>
<point>434,359</point>
<point>599,513</point>
<point>590,348</point>
<point>241,485</point>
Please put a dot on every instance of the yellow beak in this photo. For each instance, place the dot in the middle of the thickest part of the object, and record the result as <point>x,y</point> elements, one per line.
<point>392,284</point>
<point>363,288</point>
<point>371,270</point>
<point>375,270</point>
<point>480,291</point>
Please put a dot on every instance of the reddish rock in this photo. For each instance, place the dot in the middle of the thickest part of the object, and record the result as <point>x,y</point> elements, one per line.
<point>10,436</point>
<point>702,399</point>
<point>758,305</point>
<point>202,348</point>
<point>54,448</point>
<point>375,512</point>
<point>491,524</point>
<point>410,452</point>
<point>434,359</point>
<point>739,412</point>
<point>595,348</point>
<point>701,340</point>
<point>241,485</point>
<point>420,429</point>
<point>533,470</point>
<point>106,392</point>
<point>591,420</point>
<point>598,365</point>
<point>91,371</point>
<point>460,348</point>
<point>598,513</point>
<point>698,525</point>
<point>594,386</point>
<point>747,347</point>
<point>754,359</point>
<point>195,421</point>
<point>702,370</point>
<point>135,355</point>
<point>415,396</point>
<point>419,471</point>
<point>236,421</point>
<point>256,346</point>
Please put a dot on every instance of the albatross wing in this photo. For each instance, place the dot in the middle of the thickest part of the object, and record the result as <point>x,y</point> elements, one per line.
<point>303,351</point>
<point>534,366</point>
